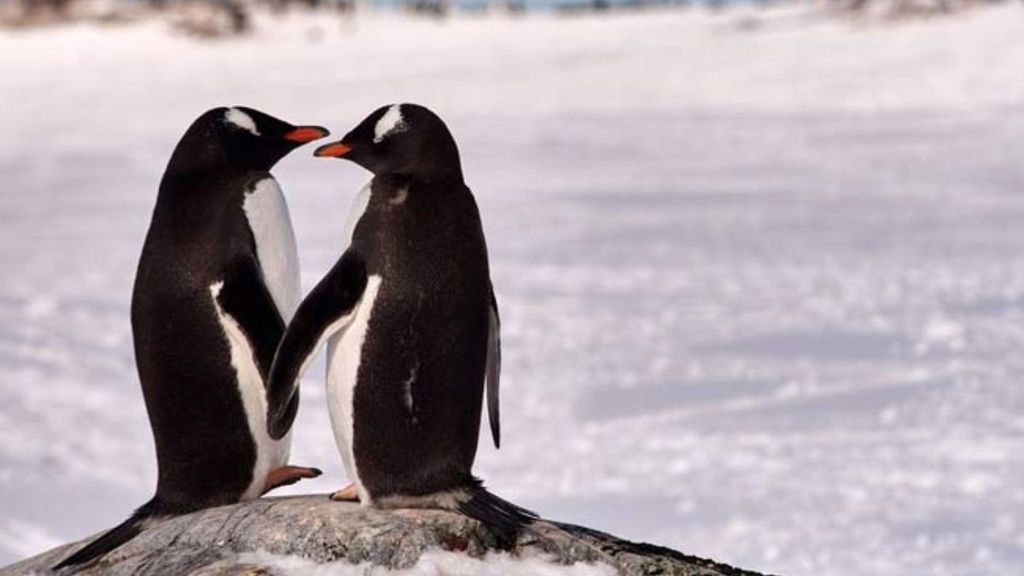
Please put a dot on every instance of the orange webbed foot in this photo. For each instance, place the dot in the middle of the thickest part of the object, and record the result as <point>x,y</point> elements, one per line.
<point>347,494</point>
<point>287,475</point>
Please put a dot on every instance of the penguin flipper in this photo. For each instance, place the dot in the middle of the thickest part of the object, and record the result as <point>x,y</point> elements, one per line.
<point>494,371</point>
<point>327,309</point>
<point>246,298</point>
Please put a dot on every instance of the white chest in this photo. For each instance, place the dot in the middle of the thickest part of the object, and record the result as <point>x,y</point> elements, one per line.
<point>267,214</point>
<point>344,352</point>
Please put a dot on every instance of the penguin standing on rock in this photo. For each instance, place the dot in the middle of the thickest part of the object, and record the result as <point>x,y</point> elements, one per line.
<point>217,283</point>
<point>411,322</point>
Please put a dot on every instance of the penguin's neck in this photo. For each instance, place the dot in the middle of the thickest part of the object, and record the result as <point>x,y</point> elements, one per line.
<point>195,197</point>
<point>432,179</point>
<point>391,180</point>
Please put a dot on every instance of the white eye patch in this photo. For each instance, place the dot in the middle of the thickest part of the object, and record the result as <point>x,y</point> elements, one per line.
<point>390,123</point>
<point>241,120</point>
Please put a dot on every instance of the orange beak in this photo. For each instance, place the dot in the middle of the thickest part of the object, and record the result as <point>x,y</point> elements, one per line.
<point>336,150</point>
<point>304,134</point>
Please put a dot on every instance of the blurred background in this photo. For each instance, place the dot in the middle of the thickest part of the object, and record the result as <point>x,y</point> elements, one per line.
<point>760,263</point>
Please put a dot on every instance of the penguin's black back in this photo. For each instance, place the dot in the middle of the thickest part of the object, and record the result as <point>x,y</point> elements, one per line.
<point>205,453</point>
<point>428,326</point>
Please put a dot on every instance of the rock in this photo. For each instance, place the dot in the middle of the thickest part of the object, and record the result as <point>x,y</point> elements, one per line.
<point>222,541</point>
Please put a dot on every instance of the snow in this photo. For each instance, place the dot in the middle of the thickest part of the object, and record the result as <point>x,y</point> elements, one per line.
<point>760,272</point>
<point>432,563</point>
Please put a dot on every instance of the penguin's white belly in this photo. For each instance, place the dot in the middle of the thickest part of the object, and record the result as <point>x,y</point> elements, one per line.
<point>344,351</point>
<point>270,454</point>
<point>271,226</point>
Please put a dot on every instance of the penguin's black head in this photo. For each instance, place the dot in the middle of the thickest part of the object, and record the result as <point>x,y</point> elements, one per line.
<point>240,137</point>
<point>403,139</point>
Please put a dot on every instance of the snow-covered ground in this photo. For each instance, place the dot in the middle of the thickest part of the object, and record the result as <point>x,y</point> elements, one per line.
<point>761,274</point>
<point>432,563</point>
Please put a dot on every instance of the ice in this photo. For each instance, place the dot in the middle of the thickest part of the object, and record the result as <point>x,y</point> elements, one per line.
<point>762,290</point>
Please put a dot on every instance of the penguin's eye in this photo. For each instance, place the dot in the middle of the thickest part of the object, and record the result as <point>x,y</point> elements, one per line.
<point>239,120</point>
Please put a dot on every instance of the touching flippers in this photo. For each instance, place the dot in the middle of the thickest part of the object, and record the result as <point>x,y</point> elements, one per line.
<point>326,310</point>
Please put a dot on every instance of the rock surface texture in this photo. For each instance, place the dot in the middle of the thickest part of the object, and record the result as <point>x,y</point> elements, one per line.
<point>220,541</point>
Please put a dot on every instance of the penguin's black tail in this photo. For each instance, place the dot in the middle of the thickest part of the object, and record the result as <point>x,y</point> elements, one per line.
<point>504,519</point>
<point>112,538</point>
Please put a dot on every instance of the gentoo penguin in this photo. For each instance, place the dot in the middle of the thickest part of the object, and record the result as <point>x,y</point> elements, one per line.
<point>411,322</point>
<point>217,282</point>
